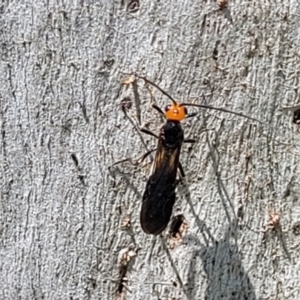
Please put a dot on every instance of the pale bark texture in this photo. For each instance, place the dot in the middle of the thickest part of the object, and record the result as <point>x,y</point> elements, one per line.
<point>69,224</point>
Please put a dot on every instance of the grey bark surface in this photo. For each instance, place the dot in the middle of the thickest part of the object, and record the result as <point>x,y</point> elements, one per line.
<point>63,212</point>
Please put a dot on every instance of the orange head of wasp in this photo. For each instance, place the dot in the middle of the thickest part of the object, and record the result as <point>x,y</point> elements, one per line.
<point>175,112</point>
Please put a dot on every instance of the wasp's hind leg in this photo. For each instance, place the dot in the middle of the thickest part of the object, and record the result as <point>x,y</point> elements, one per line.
<point>139,161</point>
<point>181,174</point>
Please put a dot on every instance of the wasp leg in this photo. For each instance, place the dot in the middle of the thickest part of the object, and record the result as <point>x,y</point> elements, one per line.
<point>144,130</point>
<point>191,115</point>
<point>180,174</point>
<point>191,141</point>
<point>134,162</point>
<point>158,109</point>
<point>139,161</point>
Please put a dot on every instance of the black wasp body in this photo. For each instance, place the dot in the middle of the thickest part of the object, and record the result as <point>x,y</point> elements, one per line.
<point>159,196</point>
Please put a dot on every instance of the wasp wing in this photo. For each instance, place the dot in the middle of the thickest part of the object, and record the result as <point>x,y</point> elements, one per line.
<point>159,196</point>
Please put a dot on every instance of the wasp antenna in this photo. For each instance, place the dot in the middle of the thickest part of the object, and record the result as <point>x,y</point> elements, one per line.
<point>159,88</point>
<point>221,109</point>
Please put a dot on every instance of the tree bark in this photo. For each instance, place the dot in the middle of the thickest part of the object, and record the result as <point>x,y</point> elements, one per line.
<point>70,219</point>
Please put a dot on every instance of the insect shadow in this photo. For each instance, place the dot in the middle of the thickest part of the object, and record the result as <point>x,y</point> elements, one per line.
<point>226,277</point>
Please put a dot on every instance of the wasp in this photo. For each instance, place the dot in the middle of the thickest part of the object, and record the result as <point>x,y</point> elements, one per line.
<point>159,196</point>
